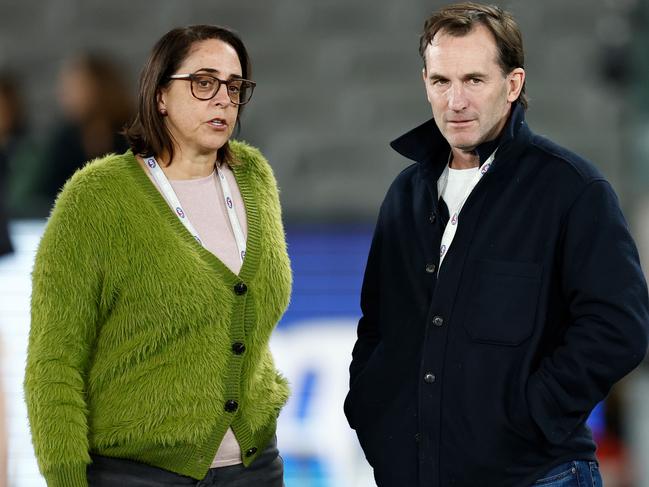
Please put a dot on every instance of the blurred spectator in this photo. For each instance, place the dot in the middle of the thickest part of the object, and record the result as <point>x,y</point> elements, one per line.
<point>96,105</point>
<point>5,242</point>
<point>19,157</point>
<point>10,127</point>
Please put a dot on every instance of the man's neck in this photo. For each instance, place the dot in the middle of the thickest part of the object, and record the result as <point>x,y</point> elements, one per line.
<point>464,160</point>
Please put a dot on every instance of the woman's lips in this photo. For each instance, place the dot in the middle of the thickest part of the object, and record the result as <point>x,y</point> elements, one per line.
<point>218,124</point>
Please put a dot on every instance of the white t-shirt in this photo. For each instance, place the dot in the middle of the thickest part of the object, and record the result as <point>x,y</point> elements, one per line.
<point>458,182</point>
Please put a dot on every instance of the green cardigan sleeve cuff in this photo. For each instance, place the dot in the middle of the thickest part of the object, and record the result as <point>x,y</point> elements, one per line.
<point>67,476</point>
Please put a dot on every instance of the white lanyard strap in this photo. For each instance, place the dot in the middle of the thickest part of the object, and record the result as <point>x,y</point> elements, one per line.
<point>171,198</point>
<point>454,221</point>
<point>232,214</point>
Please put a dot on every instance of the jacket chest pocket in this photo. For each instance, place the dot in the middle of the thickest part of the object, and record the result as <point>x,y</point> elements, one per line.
<point>502,301</point>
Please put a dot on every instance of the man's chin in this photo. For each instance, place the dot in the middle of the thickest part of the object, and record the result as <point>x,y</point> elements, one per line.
<point>465,147</point>
<point>462,143</point>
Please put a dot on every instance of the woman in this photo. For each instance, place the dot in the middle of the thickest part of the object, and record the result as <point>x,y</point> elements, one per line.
<point>157,283</point>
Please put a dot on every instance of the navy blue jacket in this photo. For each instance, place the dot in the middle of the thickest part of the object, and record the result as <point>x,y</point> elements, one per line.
<point>484,374</point>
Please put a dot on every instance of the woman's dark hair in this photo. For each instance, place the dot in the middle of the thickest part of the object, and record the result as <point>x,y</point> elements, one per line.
<point>147,134</point>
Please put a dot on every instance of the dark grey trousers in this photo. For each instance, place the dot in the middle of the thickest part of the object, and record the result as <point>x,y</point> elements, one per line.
<point>266,471</point>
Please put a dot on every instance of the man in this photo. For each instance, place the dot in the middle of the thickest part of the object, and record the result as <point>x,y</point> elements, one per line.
<point>503,295</point>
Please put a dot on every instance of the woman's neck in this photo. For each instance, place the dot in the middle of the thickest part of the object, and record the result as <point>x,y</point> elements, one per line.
<point>188,166</point>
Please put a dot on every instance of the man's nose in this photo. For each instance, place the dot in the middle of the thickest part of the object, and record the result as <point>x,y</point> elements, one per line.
<point>457,99</point>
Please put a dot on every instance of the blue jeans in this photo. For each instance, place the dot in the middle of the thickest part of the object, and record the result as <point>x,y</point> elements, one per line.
<point>579,473</point>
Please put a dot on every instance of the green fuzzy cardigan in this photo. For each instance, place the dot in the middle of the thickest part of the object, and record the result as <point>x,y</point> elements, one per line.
<point>131,349</point>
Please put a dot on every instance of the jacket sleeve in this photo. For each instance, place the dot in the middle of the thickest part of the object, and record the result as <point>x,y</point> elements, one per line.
<point>606,295</point>
<point>368,332</point>
<point>65,307</point>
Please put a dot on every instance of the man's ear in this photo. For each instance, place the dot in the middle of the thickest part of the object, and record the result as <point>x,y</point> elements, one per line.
<point>515,82</point>
<point>424,76</point>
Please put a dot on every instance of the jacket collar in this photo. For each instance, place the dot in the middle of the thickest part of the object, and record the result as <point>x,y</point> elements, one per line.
<point>426,144</point>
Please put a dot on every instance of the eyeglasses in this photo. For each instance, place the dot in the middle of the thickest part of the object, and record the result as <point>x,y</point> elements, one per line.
<point>205,87</point>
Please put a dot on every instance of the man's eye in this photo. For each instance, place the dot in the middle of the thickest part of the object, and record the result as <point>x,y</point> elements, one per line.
<point>234,89</point>
<point>440,82</point>
<point>475,81</point>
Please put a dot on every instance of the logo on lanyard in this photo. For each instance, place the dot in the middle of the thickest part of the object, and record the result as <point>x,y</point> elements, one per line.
<point>228,200</point>
<point>450,230</point>
<point>180,212</point>
<point>151,163</point>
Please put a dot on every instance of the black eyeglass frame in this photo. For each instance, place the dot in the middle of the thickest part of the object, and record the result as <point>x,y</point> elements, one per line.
<point>192,76</point>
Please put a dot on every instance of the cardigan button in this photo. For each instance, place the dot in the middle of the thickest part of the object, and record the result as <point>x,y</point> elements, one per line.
<point>429,378</point>
<point>430,268</point>
<point>432,217</point>
<point>251,452</point>
<point>240,288</point>
<point>238,348</point>
<point>231,406</point>
<point>438,321</point>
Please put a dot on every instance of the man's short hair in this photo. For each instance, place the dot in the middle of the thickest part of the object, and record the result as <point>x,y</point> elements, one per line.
<point>461,18</point>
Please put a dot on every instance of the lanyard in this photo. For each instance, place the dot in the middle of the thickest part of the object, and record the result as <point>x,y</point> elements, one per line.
<point>451,226</point>
<point>170,195</point>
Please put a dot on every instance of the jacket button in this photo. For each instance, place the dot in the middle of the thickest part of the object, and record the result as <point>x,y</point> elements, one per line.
<point>417,437</point>
<point>429,378</point>
<point>238,348</point>
<point>438,321</point>
<point>430,268</point>
<point>251,452</point>
<point>231,406</point>
<point>432,217</point>
<point>240,288</point>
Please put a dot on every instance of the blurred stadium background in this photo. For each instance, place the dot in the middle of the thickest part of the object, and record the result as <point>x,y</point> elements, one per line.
<point>337,80</point>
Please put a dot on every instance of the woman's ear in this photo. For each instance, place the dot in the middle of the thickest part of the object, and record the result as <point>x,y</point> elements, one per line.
<point>162,106</point>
